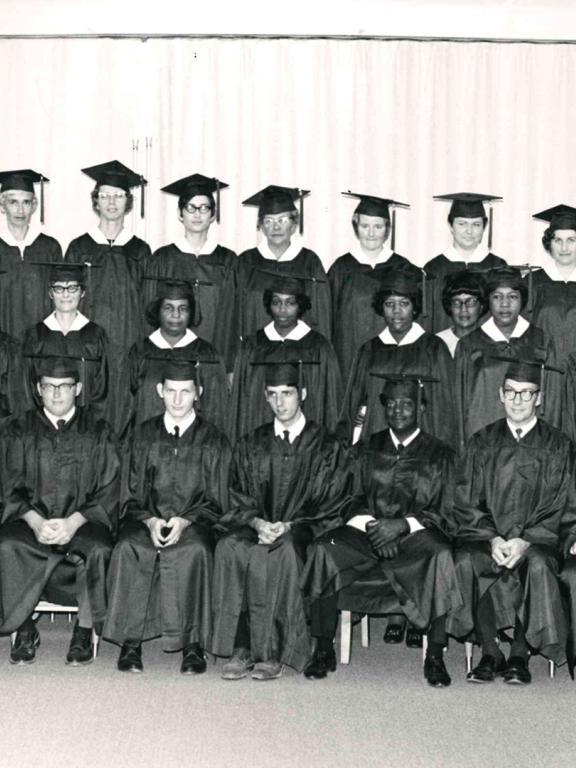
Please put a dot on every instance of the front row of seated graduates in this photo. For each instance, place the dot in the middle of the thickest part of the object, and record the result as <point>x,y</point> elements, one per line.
<point>247,553</point>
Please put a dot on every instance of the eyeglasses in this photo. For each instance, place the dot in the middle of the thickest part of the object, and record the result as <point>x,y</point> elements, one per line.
<point>525,395</point>
<point>51,389</point>
<point>111,196</point>
<point>269,221</point>
<point>59,289</point>
<point>204,208</point>
<point>468,303</point>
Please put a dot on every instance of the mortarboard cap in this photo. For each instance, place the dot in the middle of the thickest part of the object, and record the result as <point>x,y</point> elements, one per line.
<point>180,370</point>
<point>24,181</point>
<point>370,205</point>
<point>470,205</point>
<point>285,370</point>
<point>404,385</point>
<point>116,174</point>
<point>197,184</point>
<point>527,370</point>
<point>62,367</point>
<point>282,282</point>
<point>559,217</point>
<point>403,282</point>
<point>510,277</point>
<point>275,199</point>
<point>174,289</point>
<point>66,272</point>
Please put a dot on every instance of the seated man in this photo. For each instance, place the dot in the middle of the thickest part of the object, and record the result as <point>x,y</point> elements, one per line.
<point>61,474</point>
<point>161,569</point>
<point>285,486</point>
<point>513,498</point>
<point>396,523</point>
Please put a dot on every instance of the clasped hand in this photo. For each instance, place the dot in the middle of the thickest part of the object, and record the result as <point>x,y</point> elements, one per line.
<point>165,533</point>
<point>508,553</point>
<point>269,532</point>
<point>384,535</point>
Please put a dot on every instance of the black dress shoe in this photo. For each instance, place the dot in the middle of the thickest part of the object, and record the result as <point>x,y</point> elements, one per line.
<point>81,649</point>
<point>24,649</point>
<point>394,633</point>
<point>435,672</point>
<point>320,664</point>
<point>488,669</point>
<point>413,637</point>
<point>130,659</point>
<point>517,672</point>
<point>193,661</point>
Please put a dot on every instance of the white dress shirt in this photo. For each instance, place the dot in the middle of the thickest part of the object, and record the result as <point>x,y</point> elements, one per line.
<point>293,432</point>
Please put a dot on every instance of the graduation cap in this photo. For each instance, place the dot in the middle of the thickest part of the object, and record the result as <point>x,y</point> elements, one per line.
<point>116,174</point>
<point>370,205</point>
<point>527,370</point>
<point>63,367</point>
<point>197,184</point>
<point>404,281</point>
<point>24,181</point>
<point>404,385</point>
<point>558,217</point>
<point>274,199</point>
<point>64,272</point>
<point>284,372</point>
<point>506,277</point>
<point>185,368</point>
<point>470,205</point>
<point>283,282</point>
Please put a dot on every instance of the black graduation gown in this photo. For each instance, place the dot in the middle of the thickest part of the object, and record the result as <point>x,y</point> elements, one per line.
<point>428,355</point>
<point>12,400</point>
<point>114,301</point>
<point>300,483</point>
<point>511,489</point>
<point>353,286</point>
<point>168,592</point>
<point>24,285</point>
<point>553,308</point>
<point>436,270</point>
<point>251,311</point>
<point>214,283</point>
<point>89,342</point>
<point>147,362</point>
<point>56,473</point>
<point>416,482</point>
<point>479,377</point>
<point>249,409</point>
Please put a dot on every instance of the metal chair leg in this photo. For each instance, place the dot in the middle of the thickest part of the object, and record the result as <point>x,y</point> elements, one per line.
<point>365,627</point>
<point>345,636</point>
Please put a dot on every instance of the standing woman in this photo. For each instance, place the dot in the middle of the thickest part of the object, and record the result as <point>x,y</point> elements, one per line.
<point>196,256</point>
<point>115,261</point>
<point>67,333</point>
<point>465,301</point>
<point>403,347</point>
<point>356,276</point>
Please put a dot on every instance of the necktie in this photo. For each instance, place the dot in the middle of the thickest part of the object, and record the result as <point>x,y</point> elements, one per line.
<point>518,434</point>
<point>60,424</point>
<point>176,437</point>
<point>286,434</point>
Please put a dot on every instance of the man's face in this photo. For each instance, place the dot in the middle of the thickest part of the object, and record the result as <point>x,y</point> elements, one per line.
<point>517,410</point>
<point>467,233</point>
<point>505,305</point>
<point>284,310</point>
<point>111,202</point>
<point>278,229</point>
<point>372,232</point>
<point>465,310</point>
<point>18,207</point>
<point>285,402</point>
<point>58,395</point>
<point>179,397</point>
<point>65,295</point>
<point>174,316</point>
<point>401,415</point>
<point>563,247</point>
<point>398,313</point>
<point>197,214</point>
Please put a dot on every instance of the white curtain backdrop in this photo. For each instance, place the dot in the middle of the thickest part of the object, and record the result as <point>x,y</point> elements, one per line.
<point>400,119</point>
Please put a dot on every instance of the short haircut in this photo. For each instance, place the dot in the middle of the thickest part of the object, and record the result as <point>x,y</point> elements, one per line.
<point>154,307</point>
<point>96,190</point>
<point>303,301</point>
<point>380,297</point>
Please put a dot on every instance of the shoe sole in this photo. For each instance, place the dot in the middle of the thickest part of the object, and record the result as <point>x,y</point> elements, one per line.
<point>515,681</point>
<point>131,671</point>
<point>192,671</point>
<point>78,663</point>
<point>263,676</point>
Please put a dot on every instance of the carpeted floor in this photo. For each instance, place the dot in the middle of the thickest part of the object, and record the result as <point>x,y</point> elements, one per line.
<point>378,711</point>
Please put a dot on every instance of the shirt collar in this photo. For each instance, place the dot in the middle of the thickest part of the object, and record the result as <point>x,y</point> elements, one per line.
<point>294,431</point>
<point>55,419</point>
<point>51,322</point>
<point>291,252</point>
<point>183,425</point>
<point>413,335</point>
<point>159,341</point>
<point>551,269</point>
<point>99,237</point>
<point>384,256</point>
<point>524,430</point>
<point>33,232</point>
<point>405,442</point>
<point>209,246</point>
<point>450,339</point>
<point>491,329</point>
<point>295,334</point>
<point>471,257</point>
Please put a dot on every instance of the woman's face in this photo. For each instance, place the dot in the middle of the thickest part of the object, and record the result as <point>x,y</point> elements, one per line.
<point>284,310</point>
<point>112,203</point>
<point>505,306</point>
<point>65,295</point>
<point>398,313</point>
<point>174,316</point>
<point>465,310</point>
<point>197,215</point>
<point>563,247</point>
<point>372,232</point>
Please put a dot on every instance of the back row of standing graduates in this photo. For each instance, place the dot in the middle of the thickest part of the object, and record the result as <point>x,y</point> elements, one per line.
<point>123,311</point>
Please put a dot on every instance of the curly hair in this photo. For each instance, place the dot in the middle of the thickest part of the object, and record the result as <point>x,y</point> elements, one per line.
<point>154,307</point>
<point>380,296</point>
<point>94,196</point>
<point>303,301</point>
